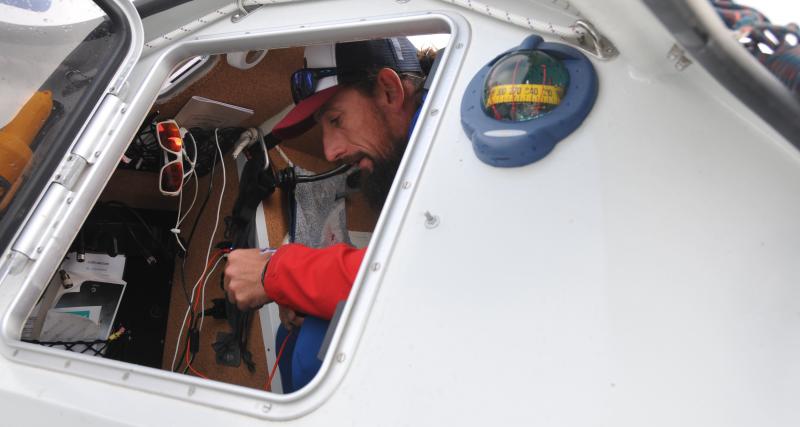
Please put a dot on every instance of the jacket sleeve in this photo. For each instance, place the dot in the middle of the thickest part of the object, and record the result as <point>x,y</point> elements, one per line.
<point>312,281</point>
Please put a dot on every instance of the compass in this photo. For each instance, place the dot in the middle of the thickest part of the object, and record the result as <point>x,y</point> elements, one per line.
<point>520,104</point>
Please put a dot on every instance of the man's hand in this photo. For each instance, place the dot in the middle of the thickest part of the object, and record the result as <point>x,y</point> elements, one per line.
<point>289,318</point>
<point>243,278</point>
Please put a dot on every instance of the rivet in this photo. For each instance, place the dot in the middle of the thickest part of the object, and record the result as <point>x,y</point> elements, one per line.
<point>97,154</point>
<point>434,112</point>
<point>431,220</point>
<point>123,110</point>
<point>125,376</point>
<point>406,185</point>
<point>69,159</point>
<point>191,390</point>
<point>58,177</point>
<point>340,357</point>
<point>39,250</point>
<point>67,364</point>
<point>111,131</point>
<point>16,352</point>
<point>69,200</point>
<point>266,407</point>
<point>375,266</point>
<point>459,45</point>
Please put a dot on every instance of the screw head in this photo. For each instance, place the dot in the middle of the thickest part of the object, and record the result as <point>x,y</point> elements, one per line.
<point>431,220</point>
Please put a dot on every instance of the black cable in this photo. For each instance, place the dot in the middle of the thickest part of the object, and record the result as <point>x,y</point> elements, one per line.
<point>136,215</point>
<point>302,179</point>
<point>149,258</point>
<point>189,332</point>
<point>193,315</point>
<point>205,201</point>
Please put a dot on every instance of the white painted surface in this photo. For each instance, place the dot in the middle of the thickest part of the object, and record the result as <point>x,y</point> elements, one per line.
<point>644,273</point>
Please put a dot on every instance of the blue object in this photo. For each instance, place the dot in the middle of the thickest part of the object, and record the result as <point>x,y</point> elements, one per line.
<point>34,5</point>
<point>504,143</point>
<point>299,362</point>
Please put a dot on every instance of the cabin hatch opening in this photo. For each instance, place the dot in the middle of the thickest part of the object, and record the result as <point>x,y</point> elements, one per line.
<point>143,281</point>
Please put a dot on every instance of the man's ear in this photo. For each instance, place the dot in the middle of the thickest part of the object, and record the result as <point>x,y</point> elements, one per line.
<point>389,89</point>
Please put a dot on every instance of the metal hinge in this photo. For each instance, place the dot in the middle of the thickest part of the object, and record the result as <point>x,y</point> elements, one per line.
<point>39,230</point>
<point>103,124</point>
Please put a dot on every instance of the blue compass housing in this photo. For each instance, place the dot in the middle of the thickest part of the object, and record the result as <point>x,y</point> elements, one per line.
<point>518,123</point>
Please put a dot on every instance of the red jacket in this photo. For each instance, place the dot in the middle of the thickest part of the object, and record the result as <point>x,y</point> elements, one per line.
<point>312,281</point>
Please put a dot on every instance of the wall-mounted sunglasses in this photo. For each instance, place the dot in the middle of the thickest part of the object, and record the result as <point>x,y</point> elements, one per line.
<point>168,134</point>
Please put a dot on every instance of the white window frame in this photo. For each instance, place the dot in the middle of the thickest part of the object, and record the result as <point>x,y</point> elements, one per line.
<point>31,279</point>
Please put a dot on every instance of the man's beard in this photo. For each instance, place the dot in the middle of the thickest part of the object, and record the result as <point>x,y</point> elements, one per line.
<point>376,185</point>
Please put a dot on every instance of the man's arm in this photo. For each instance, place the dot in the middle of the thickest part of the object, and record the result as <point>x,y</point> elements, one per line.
<point>312,281</point>
<point>308,280</point>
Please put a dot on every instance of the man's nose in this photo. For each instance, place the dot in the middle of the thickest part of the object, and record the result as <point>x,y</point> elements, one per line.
<point>334,150</point>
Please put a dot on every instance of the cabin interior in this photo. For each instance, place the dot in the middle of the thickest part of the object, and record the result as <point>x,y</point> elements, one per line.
<point>134,219</point>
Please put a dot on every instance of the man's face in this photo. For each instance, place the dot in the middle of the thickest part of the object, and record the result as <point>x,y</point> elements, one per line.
<point>355,130</point>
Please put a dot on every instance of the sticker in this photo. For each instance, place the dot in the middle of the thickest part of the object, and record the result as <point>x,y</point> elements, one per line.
<point>506,94</point>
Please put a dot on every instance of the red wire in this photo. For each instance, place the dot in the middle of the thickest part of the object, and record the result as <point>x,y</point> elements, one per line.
<point>189,364</point>
<point>268,386</point>
<point>195,304</point>
<point>200,288</point>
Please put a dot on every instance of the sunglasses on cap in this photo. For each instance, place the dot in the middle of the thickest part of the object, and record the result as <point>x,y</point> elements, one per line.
<point>171,177</point>
<point>305,81</point>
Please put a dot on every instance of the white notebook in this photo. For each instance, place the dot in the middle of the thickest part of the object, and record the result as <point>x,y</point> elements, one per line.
<point>209,114</point>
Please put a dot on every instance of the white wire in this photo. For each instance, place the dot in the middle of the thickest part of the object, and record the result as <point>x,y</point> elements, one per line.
<point>208,252</point>
<point>264,147</point>
<point>176,231</point>
<point>191,205</point>
<point>203,290</point>
<point>285,157</point>
<point>196,182</point>
<point>194,160</point>
<point>180,333</point>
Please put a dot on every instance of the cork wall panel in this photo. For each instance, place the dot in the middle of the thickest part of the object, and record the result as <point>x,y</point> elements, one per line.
<point>193,267</point>
<point>263,88</point>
